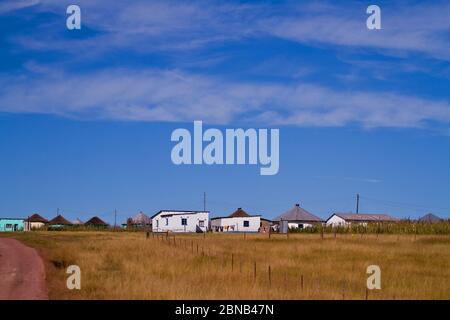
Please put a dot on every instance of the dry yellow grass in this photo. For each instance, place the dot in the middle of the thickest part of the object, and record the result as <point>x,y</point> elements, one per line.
<point>125,265</point>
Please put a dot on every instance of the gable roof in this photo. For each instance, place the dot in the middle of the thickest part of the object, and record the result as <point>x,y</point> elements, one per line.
<point>362,217</point>
<point>37,218</point>
<point>59,219</point>
<point>96,221</point>
<point>430,218</point>
<point>297,213</point>
<point>175,212</point>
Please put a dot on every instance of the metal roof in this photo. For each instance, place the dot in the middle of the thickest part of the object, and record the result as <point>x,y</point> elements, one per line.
<point>430,218</point>
<point>297,213</point>
<point>178,212</point>
<point>365,217</point>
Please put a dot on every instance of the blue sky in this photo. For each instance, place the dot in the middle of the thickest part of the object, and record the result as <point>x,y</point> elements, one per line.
<point>86,115</point>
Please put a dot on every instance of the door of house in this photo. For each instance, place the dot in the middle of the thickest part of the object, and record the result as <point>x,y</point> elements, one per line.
<point>15,227</point>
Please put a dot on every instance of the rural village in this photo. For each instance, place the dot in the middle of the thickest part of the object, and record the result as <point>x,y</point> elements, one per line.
<point>194,221</point>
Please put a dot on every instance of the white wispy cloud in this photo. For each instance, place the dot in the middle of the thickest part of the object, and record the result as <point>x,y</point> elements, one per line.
<point>7,6</point>
<point>181,25</point>
<point>176,95</point>
<point>161,95</point>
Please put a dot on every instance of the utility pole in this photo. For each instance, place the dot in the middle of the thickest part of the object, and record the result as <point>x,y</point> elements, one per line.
<point>357,203</point>
<point>204,201</point>
<point>115,219</point>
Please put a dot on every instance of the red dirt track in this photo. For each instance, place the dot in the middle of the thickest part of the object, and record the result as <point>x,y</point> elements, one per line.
<point>22,272</point>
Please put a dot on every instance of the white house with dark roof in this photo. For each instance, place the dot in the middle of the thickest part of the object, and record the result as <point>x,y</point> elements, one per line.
<point>180,221</point>
<point>238,221</point>
<point>345,219</point>
<point>297,218</point>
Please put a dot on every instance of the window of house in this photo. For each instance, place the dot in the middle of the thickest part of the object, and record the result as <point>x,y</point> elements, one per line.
<point>167,221</point>
<point>157,223</point>
<point>300,225</point>
<point>246,223</point>
<point>201,223</point>
<point>8,226</point>
<point>183,221</point>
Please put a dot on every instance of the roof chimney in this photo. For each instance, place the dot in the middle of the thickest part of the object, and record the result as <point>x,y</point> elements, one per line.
<point>297,205</point>
<point>239,208</point>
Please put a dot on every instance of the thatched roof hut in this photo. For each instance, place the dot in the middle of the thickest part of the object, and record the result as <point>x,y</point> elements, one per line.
<point>37,218</point>
<point>59,220</point>
<point>96,221</point>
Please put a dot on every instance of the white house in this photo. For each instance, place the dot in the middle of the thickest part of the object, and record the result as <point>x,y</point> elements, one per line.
<point>345,219</point>
<point>238,221</point>
<point>297,218</point>
<point>36,221</point>
<point>180,221</point>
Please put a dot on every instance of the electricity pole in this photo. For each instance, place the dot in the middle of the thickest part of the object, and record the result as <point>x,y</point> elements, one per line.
<point>115,219</point>
<point>357,203</point>
<point>204,201</point>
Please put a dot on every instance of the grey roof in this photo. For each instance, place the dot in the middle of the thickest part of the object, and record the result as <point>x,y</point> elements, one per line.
<point>77,222</point>
<point>297,213</point>
<point>141,218</point>
<point>430,218</point>
<point>365,217</point>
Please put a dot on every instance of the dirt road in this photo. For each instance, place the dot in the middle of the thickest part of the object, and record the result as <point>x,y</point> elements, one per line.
<point>22,272</point>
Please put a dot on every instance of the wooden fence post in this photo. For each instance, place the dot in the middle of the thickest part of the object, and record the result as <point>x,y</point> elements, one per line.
<point>301,282</point>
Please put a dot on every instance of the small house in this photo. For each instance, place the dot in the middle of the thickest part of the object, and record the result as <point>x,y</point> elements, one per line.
<point>96,223</point>
<point>59,222</point>
<point>430,218</point>
<point>345,219</point>
<point>12,224</point>
<point>77,222</point>
<point>139,221</point>
<point>180,221</point>
<point>37,221</point>
<point>297,218</point>
<point>265,225</point>
<point>238,221</point>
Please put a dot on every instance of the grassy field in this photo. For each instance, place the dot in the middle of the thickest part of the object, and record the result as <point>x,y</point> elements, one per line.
<point>126,265</point>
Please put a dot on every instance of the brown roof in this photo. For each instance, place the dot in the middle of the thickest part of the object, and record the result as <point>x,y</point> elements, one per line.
<point>297,213</point>
<point>239,213</point>
<point>59,219</point>
<point>37,218</point>
<point>96,221</point>
<point>366,217</point>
